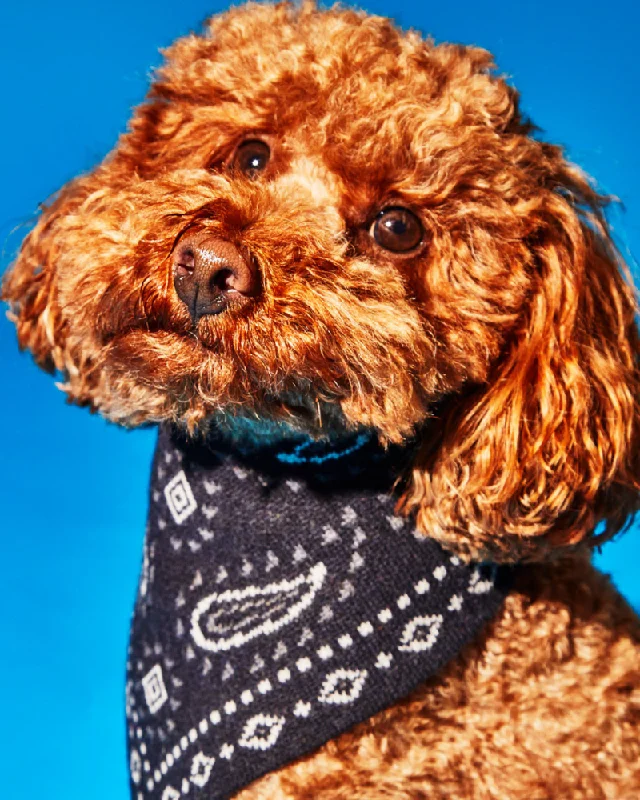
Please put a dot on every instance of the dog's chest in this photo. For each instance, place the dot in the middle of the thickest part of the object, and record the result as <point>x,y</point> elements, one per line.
<point>280,604</point>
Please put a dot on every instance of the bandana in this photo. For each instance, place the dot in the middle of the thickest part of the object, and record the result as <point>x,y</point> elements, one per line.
<point>281,602</point>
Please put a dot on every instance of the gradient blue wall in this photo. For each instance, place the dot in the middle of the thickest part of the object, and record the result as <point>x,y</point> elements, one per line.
<point>73,489</point>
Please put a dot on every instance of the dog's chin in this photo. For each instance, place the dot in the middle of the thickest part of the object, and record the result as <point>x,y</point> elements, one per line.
<point>250,382</point>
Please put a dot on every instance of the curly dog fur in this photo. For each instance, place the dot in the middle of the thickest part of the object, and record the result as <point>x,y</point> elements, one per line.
<point>504,341</point>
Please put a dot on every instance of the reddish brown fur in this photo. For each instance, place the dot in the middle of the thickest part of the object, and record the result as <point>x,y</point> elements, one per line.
<point>507,343</point>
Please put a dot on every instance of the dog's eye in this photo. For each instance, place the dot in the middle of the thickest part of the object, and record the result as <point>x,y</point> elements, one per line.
<point>251,157</point>
<point>397,229</point>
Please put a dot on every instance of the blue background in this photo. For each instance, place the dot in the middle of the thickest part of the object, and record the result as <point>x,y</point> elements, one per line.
<point>72,488</point>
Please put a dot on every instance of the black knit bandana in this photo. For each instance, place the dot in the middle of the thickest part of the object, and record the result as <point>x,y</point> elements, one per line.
<point>281,602</point>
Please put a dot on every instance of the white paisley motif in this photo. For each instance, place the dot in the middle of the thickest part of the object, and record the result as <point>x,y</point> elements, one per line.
<point>239,615</point>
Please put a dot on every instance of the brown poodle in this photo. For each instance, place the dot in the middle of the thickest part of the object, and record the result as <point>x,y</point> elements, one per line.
<point>399,255</point>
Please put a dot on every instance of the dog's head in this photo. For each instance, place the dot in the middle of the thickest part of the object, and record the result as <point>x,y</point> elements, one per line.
<point>319,219</point>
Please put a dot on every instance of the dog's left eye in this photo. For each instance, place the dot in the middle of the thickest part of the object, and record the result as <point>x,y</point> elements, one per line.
<point>251,157</point>
<point>397,229</point>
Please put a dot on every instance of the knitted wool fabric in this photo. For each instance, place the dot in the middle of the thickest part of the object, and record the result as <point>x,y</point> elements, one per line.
<point>281,603</point>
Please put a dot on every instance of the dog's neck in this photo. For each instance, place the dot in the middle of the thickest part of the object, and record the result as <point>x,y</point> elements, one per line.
<point>245,434</point>
<point>336,458</point>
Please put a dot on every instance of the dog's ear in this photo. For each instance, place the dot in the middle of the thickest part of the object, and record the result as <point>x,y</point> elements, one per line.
<point>30,286</point>
<point>546,454</point>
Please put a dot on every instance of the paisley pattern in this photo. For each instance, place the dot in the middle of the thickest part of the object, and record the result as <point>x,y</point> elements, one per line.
<point>239,615</point>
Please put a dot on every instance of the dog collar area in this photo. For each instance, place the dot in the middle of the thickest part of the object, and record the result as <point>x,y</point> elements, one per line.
<point>281,602</point>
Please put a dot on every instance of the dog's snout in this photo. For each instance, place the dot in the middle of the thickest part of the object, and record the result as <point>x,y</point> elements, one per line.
<point>211,275</point>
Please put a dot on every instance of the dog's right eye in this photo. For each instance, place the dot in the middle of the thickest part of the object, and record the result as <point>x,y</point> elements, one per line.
<point>397,229</point>
<point>251,157</point>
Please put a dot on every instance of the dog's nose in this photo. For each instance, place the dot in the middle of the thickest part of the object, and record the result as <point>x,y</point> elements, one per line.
<point>211,275</point>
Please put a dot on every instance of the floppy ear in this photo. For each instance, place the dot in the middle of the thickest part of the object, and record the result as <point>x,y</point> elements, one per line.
<point>30,286</point>
<point>549,447</point>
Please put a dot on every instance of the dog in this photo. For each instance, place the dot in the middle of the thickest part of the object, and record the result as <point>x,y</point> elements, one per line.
<point>329,254</point>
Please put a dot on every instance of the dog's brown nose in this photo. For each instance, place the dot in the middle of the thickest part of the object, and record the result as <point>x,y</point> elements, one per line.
<point>211,274</point>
